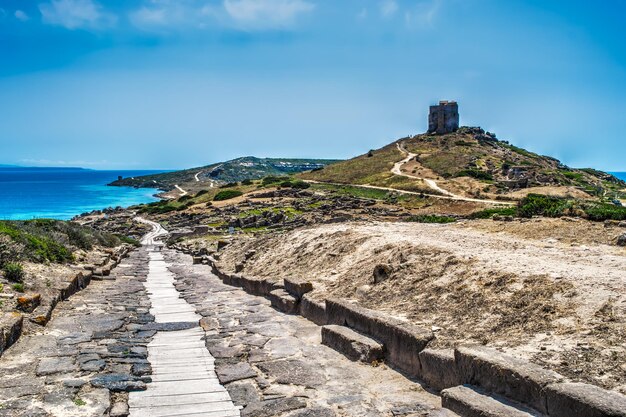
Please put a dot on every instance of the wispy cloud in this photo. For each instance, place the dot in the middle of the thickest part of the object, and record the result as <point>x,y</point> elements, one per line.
<point>423,14</point>
<point>76,14</point>
<point>388,8</point>
<point>20,15</point>
<point>265,14</point>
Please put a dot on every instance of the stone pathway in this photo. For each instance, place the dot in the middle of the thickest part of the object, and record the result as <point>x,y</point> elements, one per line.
<point>273,364</point>
<point>184,382</point>
<point>88,356</point>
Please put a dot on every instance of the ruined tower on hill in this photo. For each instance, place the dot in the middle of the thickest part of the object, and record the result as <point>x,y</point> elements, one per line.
<point>443,118</point>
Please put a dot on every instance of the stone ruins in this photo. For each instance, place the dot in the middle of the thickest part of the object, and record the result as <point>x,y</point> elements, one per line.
<point>443,118</point>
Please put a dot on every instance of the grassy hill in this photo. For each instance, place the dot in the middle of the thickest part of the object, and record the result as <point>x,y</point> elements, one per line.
<point>474,163</point>
<point>239,169</point>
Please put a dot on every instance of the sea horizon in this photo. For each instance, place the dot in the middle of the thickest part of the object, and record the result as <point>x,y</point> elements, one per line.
<point>63,193</point>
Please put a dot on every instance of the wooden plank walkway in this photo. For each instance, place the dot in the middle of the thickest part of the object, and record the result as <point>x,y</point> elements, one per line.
<point>184,382</point>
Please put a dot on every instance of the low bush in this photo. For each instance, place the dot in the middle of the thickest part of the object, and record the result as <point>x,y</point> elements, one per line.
<point>543,205</point>
<point>247,181</point>
<point>201,192</point>
<point>229,185</point>
<point>273,180</point>
<point>13,271</point>
<point>604,211</point>
<point>227,195</point>
<point>18,287</point>
<point>489,213</point>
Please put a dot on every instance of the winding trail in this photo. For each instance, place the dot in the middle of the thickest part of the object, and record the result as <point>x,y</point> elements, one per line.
<point>184,382</point>
<point>196,176</point>
<point>182,192</point>
<point>397,170</point>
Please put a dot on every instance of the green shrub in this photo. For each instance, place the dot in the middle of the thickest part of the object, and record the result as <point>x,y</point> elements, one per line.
<point>184,198</point>
<point>18,287</point>
<point>489,213</point>
<point>13,271</point>
<point>247,181</point>
<point>272,180</point>
<point>543,205</point>
<point>201,192</point>
<point>286,184</point>
<point>301,185</point>
<point>229,185</point>
<point>431,218</point>
<point>605,211</point>
<point>227,195</point>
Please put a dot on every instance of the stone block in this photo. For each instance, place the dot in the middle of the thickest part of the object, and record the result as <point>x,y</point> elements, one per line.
<point>283,301</point>
<point>28,302</point>
<point>468,402</point>
<point>196,260</point>
<point>578,399</point>
<point>353,345</point>
<point>403,341</point>
<point>313,310</point>
<point>298,286</point>
<point>504,374</point>
<point>438,368</point>
<point>11,325</point>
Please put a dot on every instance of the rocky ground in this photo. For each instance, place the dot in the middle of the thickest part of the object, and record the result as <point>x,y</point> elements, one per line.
<point>546,289</point>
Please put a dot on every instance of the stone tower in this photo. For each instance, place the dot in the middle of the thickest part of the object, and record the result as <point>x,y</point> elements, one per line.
<point>443,118</point>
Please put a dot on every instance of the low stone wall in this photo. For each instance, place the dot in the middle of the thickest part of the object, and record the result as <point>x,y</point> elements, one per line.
<point>405,348</point>
<point>40,309</point>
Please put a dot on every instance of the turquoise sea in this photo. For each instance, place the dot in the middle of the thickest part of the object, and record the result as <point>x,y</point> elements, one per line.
<point>62,193</point>
<point>620,175</point>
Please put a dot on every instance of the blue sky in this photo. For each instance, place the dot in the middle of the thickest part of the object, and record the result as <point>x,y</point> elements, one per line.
<point>173,84</point>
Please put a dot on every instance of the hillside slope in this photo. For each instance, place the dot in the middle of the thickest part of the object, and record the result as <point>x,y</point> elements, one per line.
<point>239,169</point>
<point>470,163</point>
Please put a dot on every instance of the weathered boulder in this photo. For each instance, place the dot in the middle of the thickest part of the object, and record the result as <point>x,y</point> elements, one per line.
<point>621,240</point>
<point>381,273</point>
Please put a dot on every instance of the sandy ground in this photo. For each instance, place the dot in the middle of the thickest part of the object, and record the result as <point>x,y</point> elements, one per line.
<point>549,290</point>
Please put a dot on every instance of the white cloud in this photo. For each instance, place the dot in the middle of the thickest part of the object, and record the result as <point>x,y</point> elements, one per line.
<point>20,15</point>
<point>388,8</point>
<point>423,14</point>
<point>261,14</point>
<point>180,14</point>
<point>75,14</point>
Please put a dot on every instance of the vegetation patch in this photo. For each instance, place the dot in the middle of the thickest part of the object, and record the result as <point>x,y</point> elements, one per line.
<point>13,271</point>
<point>45,240</point>
<point>543,205</point>
<point>227,195</point>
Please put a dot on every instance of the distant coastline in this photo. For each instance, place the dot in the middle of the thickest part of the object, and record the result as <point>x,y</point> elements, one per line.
<point>62,193</point>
